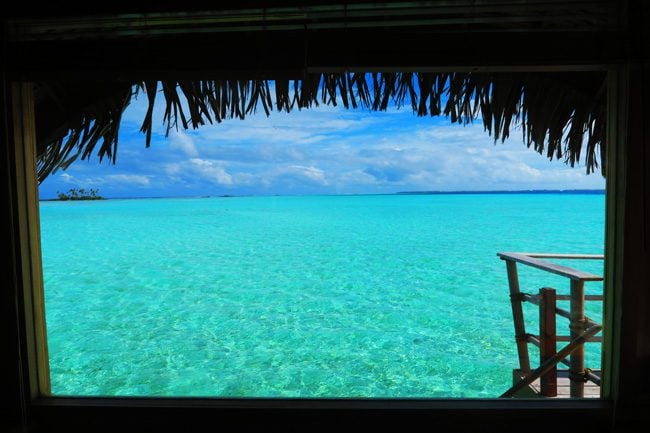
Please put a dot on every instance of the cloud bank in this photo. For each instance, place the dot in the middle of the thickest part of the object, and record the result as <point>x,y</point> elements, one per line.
<point>326,150</point>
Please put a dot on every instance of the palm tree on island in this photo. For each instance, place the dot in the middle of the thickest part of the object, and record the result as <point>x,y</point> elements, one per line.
<point>79,194</point>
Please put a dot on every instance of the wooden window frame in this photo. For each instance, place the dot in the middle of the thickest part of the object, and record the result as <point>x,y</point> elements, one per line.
<point>42,412</point>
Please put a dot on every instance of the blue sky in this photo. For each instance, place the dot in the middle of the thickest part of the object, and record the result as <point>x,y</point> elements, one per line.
<point>325,150</point>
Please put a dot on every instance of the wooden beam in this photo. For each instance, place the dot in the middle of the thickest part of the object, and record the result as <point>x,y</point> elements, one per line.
<point>578,323</point>
<point>259,54</point>
<point>29,238</point>
<point>547,340</point>
<point>592,16</point>
<point>617,150</point>
<point>516,302</point>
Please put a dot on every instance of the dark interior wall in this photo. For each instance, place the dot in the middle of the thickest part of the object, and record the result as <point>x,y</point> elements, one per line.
<point>11,385</point>
<point>634,381</point>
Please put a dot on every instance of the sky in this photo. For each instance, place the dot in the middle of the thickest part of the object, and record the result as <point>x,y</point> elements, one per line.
<point>324,150</point>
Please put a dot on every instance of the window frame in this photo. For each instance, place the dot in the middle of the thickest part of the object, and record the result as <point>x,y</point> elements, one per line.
<point>44,412</point>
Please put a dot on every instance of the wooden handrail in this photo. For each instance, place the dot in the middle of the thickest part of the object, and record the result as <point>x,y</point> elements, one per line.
<point>565,271</point>
<point>564,256</point>
<point>582,329</point>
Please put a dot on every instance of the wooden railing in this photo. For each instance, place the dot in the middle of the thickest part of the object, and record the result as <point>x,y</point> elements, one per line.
<point>582,329</point>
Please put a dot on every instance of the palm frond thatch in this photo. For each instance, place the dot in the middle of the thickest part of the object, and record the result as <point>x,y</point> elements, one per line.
<point>561,115</point>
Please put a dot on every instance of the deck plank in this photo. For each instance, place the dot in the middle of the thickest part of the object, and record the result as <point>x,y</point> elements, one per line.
<point>563,387</point>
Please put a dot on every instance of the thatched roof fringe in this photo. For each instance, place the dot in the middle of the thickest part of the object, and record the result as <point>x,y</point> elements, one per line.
<point>149,87</point>
<point>559,114</point>
<point>78,138</point>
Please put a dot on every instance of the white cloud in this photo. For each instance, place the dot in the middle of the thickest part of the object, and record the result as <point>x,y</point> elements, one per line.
<point>114,179</point>
<point>354,177</point>
<point>387,154</point>
<point>68,178</point>
<point>211,170</point>
<point>260,133</point>
<point>135,179</point>
<point>172,168</point>
<point>245,179</point>
<point>312,173</point>
<point>183,142</point>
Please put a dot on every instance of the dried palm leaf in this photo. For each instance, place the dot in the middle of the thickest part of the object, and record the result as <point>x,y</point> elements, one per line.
<point>560,114</point>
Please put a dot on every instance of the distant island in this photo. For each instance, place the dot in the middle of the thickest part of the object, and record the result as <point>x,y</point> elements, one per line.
<point>531,191</point>
<point>78,194</point>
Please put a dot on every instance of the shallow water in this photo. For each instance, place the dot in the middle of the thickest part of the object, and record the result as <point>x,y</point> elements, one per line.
<point>302,296</point>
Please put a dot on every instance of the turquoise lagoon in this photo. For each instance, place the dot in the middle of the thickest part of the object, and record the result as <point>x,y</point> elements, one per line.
<point>300,296</point>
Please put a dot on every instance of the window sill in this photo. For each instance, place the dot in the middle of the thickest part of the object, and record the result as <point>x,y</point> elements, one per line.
<point>190,414</point>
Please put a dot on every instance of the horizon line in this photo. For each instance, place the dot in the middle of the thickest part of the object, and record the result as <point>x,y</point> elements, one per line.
<point>415,192</point>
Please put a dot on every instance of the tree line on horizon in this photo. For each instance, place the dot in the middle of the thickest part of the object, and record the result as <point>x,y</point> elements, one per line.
<point>79,194</point>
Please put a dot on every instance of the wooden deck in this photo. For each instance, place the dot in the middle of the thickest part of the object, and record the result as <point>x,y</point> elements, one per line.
<point>591,390</point>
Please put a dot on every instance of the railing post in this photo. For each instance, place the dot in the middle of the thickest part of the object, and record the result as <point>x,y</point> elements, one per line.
<point>547,340</point>
<point>518,316</point>
<point>577,326</point>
